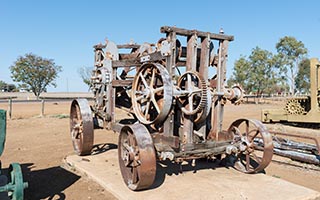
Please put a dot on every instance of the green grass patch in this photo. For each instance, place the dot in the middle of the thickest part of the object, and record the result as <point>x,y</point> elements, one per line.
<point>60,116</point>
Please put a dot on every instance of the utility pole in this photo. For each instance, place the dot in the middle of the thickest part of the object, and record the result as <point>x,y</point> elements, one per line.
<point>67,86</point>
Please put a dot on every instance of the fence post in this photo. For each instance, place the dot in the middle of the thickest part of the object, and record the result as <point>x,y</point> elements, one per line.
<point>42,107</point>
<point>3,125</point>
<point>10,107</point>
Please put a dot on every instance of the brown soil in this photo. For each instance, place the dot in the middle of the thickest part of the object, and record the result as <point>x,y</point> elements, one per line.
<point>39,144</point>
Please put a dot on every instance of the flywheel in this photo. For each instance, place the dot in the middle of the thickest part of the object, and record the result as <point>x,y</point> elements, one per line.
<point>152,93</point>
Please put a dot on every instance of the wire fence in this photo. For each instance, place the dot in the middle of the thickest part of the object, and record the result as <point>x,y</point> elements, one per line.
<point>13,101</point>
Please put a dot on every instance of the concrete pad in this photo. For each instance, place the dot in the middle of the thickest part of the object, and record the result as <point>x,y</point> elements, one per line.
<point>205,181</point>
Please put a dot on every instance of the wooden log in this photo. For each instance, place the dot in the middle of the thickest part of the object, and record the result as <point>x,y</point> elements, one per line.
<point>307,158</point>
<point>128,46</point>
<point>120,46</point>
<point>125,63</point>
<point>136,61</point>
<point>292,153</point>
<point>168,125</point>
<point>201,34</point>
<point>121,83</point>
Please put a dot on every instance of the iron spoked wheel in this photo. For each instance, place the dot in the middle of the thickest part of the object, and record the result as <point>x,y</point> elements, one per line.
<point>246,132</point>
<point>81,126</point>
<point>152,93</point>
<point>137,158</point>
<point>16,180</point>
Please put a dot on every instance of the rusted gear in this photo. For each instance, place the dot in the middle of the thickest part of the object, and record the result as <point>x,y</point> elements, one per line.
<point>152,93</point>
<point>195,88</point>
<point>137,157</point>
<point>203,114</point>
<point>246,132</point>
<point>294,107</point>
<point>81,126</point>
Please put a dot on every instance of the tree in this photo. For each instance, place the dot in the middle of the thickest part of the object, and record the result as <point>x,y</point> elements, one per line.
<point>3,85</point>
<point>259,73</point>
<point>11,88</point>
<point>24,87</point>
<point>291,53</point>
<point>302,81</point>
<point>36,72</point>
<point>85,74</point>
<point>240,74</point>
<point>7,87</point>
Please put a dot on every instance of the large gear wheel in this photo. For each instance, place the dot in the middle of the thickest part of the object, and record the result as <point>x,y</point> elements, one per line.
<point>293,107</point>
<point>195,90</point>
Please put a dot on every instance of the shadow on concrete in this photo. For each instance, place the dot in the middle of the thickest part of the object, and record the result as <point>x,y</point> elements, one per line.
<point>101,148</point>
<point>46,183</point>
<point>171,168</point>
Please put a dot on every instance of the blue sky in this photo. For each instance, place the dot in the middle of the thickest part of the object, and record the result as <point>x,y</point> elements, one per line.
<point>66,30</point>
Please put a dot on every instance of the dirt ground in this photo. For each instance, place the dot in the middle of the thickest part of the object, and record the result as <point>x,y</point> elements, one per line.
<point>39,144</point>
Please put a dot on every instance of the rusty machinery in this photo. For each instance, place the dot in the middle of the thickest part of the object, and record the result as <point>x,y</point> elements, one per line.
<point>176,111</point>
<point>11,187</point>
<point>303,111</point>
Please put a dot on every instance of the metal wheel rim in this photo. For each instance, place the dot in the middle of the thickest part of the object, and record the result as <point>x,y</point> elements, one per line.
<point>136,156</point>
<point>247,161</point>
<point>148,93</point>
<point>17,181</point>
<point>81,126</point>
